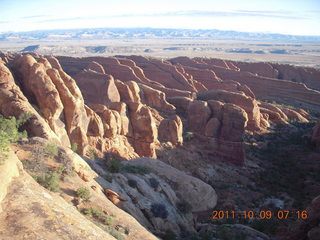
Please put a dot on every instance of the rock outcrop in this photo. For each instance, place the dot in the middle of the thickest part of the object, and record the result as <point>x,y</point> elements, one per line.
<point>249,104</point>
<point>154,198</point>
<point>24,200</point>
<point>193,110</point>
<point>57,96</point>
<point>145,132</point>
<point>14,103</point>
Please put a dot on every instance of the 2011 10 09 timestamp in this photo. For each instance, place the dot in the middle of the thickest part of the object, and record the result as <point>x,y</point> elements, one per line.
<point>262,214</point>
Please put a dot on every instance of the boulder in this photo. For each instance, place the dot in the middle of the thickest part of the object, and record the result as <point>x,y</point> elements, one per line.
<point>200,195</point>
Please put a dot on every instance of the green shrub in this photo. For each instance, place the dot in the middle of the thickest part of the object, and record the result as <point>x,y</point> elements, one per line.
<point>132,183</point>
<point>51,150</point>
<point>108,221</point>
<point>74,147</point>
<point>67,165</point>
<point>83,193</point>
<point>114,165</point>
<point>159,210</point>
<point>116,234</point>
<point>188,136</point>
<point>9,133</point>
<point>154,183</point>
<point>49,181</point>
<point>92,154</point>
<point>137,169</point>
<point>184,207</point>
<point>94,212</point>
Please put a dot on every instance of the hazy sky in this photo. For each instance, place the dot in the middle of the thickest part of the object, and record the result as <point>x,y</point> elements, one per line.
<point>301,17</point>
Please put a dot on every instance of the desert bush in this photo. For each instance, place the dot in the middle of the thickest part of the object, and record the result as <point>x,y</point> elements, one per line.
<point>154,183</point>
<point>116,234</point>
<point>49,181</point>
<point>184,207</point>
<point>132,183</point>
<point>74,147</point>
<point>104,221</point>
<point>9,133</point>
<point>137,169</point>
<point>159,210</point>
<point>92,154</point>
<point>67,165</point>
<point>83,193</point>
<point>108,221</point>
<point>51,150</point>
<point>94,212</point>
<point>114,165</point>
<point>188,136</point>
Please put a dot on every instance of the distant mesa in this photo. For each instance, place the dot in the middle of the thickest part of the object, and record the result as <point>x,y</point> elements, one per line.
<point>31,48</point>
<point>173,48</point>
<point>148,50</point>
<point>241,50</point>
<point>245,50</point>
<point>259,52</point>
<point>96,49</point>
<point>279,51</point>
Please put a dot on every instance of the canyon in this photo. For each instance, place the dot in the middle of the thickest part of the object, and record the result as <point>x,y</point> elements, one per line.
<point>170,133</point>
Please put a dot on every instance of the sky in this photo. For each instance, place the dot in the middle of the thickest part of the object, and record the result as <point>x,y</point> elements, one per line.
<point>297,17</point>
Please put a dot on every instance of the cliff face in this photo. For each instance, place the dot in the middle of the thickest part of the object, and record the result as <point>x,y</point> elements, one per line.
<point>119,104</point>
<point>197,110</point>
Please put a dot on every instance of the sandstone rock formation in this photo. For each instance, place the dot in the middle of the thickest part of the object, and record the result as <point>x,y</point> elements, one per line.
<point>171,130</point>
<point>52,217</point>
<point>14,103</point>
<point>199,111</point>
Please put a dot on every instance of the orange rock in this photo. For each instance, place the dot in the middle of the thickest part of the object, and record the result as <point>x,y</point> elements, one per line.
<point>74,109</point>
<point>145,132</point>
<point>198,116</point>
<point>249,104</point>
<point>170,130</point>
<point>14,103</point>
<point>155,98</point>
<point>97,88</point>
<point>95,67</point>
